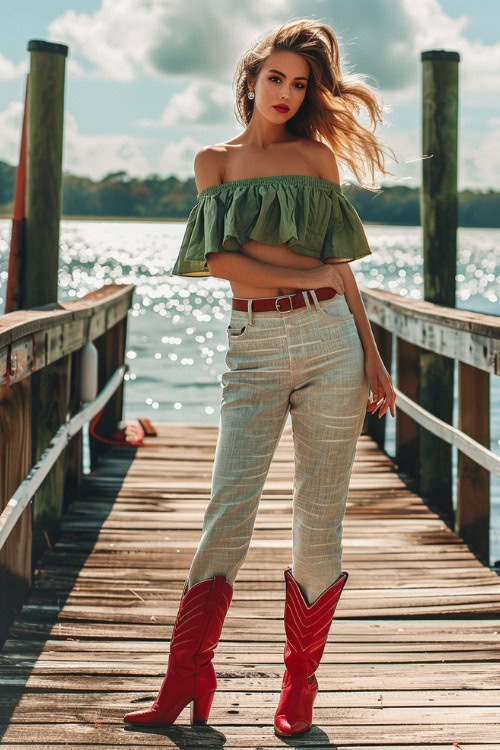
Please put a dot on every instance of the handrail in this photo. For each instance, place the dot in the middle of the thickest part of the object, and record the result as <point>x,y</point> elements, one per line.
<point>430,339</point>
<point>463,335</point>
<point>470,447</point>
<point>432,323</point>
<point>32,339</point>
<point>66,431</point>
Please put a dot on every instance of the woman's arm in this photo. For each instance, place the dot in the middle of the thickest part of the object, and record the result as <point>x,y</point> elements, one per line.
<point>356,306</point>
<point>379,379</point>
<point>235,266</point>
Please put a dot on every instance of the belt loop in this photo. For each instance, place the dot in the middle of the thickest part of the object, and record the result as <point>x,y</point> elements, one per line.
<point>305,295</point>
<point>249,312</point>
<point>315,298</point>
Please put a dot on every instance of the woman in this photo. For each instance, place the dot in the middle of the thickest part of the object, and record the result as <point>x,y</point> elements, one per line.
<point>272,220</point>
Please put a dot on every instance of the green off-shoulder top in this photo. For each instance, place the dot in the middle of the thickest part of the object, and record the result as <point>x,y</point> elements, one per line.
<point>309,214</point>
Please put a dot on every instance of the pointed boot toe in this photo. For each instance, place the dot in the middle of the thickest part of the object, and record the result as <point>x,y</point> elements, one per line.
<point>148,717</point>
<point>287,728</point>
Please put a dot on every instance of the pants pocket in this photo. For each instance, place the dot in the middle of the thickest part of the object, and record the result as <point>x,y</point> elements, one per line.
<point>336,309</point>
<point>236,332</point>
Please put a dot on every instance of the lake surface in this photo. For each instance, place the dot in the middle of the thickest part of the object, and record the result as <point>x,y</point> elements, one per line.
<point>176,340</point>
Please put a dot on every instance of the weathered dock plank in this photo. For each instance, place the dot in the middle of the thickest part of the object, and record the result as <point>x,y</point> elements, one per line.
<point>413,657</point>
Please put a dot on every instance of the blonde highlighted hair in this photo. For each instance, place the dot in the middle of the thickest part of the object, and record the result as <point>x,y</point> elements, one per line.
<point>332,98</point>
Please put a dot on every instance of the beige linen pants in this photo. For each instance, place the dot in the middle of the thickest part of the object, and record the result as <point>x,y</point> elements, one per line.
<point>308,362</point>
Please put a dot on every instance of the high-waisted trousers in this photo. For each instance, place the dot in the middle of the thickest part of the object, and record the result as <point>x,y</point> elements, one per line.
<point>308,362</point>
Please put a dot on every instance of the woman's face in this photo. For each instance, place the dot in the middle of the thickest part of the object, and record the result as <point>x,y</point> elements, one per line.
<point>281,80</point>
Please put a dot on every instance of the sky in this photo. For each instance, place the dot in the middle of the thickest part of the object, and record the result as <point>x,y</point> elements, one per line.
<point>150,82</point>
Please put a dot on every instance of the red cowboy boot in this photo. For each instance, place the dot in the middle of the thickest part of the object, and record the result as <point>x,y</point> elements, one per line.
<point>306,630</point>
<point>190,676</point>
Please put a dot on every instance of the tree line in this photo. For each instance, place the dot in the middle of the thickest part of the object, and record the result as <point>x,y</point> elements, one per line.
<point>119,195</point>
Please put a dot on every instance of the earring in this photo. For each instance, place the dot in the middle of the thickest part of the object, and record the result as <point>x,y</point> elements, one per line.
<point>251,94</point>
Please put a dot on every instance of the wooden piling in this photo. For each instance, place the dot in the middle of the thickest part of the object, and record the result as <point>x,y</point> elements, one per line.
<point>439,224</point>
<point>44,172</point>
<point>41,263</point>
<point>15,463</point>
<point>472,520</point>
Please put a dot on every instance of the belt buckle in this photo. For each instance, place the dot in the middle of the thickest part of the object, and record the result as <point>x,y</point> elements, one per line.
<point>283,296</point>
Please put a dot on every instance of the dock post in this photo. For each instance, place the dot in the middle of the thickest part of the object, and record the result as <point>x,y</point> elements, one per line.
<point>439,210</point>
<point>41,263</point>
<point>43,172</point>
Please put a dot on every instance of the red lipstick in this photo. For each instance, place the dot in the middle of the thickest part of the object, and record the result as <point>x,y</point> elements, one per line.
<point>281,108</point>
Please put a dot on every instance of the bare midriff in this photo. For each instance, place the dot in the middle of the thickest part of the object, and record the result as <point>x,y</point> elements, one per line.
<point>295,150</point>
<point>278,255</point>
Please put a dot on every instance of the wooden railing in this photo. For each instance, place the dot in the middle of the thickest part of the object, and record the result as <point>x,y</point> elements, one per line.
<point>41,417</point>
<point>473,340</point>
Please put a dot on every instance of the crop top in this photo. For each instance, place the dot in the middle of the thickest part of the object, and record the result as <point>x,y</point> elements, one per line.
<point>309,214</point>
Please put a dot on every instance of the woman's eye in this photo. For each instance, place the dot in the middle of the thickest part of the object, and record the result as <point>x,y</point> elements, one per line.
<point>275,78</point>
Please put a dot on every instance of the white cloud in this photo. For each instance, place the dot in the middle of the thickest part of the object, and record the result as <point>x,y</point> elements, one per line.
<point>480,159</point>
<point>177,158</point>
<point>200,103</point>
<point>91,156</point>
<point>95,155</point>
<point>479,66</point>
<point>123,39</point>
<point>9,70</point>
<point>11,121</point>
<point>407,150</point>
<point>115,39</point>
<point>75,70</point>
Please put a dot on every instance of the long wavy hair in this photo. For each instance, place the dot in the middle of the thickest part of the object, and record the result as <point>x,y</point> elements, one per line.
<point>332,98</point>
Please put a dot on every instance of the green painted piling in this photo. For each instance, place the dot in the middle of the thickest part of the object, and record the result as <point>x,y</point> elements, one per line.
<point>439,208</point>
<point>41,264</point>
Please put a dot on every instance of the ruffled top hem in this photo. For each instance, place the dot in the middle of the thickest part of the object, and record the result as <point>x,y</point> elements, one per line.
<point>308,214</point>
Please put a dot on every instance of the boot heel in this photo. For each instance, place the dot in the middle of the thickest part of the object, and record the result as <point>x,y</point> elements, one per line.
<point>200,708</point>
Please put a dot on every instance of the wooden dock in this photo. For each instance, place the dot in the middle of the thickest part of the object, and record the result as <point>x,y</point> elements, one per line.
<point>412,660</point>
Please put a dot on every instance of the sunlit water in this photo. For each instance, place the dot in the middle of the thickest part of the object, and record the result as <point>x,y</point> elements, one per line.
<point>177,327</point>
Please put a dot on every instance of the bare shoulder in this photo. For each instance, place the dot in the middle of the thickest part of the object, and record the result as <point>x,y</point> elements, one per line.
<point>209,166</point>
<point>323,158</point>
<point>326,164</point>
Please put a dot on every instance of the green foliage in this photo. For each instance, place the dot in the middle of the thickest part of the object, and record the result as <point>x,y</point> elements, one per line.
<point>118,194</point>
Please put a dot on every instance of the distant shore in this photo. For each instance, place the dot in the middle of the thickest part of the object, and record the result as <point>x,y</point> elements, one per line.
<point>154,219</point>
<point>112,218</point>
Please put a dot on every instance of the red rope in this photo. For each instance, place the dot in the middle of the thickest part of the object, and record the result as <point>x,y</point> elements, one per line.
<point>118,437</point>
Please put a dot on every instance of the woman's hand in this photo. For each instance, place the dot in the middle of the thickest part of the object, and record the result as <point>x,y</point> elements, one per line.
<point>380,385</point>
<point>324,275</point>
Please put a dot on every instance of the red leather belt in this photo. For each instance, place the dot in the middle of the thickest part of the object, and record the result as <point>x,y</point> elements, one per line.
<point>285,303</point>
